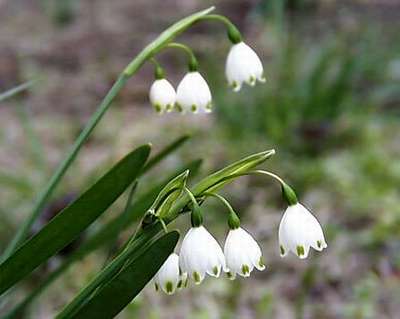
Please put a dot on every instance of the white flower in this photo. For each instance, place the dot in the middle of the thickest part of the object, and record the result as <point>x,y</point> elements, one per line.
<point>243,65</point>
<point>242,253</point>
<point>201,254</point>
<point>162,95</point>
<point>168,277</point>
<point>193,93</point>
<point>299,230</point>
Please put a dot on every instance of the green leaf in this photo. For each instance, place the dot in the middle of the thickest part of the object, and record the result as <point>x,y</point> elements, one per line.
<point>105,234</point>
<point>114,296</point>
<point>75,218</point>
<point>169,194</point>
<point>215,180</point>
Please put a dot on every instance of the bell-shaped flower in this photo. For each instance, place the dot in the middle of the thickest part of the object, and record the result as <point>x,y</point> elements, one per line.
<point>299,230</point>
<point>200,255</point>
<point>162,95</point>
<point>193,94</point>
<point>168,277</point>
<point>243,65</point>
<point>242,253</point>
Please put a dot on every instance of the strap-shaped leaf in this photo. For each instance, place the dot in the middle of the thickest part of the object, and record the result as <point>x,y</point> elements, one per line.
<point>104,235</point>
<point>118,293</point>
<point>75,218</point>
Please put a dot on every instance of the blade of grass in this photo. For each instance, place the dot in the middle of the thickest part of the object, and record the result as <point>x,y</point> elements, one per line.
<point>15,90</point>
<point>71,221</point>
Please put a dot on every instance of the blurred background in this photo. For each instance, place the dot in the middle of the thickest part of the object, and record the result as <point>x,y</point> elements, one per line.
<point>330,108</point>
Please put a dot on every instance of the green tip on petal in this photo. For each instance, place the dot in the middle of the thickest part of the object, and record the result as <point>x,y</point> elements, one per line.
<point>193,108</point>
<point>180,284</point>
<point>156,287</point>
<point>215,270</point>
<point>196,277</point>
<point>245,269</point>
<point>179,107</point>
<point>261,263</point>
<point>158,108</point>
<point>319,243</point>
<point>282,250</point>
<point>300,250</point>
<point>169,287</point>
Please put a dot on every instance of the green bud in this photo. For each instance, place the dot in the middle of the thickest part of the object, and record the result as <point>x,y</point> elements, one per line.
<point>233,220</point>
<point>289,195</point>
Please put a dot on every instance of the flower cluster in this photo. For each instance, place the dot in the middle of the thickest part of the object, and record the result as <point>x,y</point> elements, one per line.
<point>193,93</point>
<point>201,254</point>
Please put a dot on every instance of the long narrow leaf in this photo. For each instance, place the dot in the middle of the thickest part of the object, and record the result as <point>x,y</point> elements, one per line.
<point>106,233</point>
<point>69,223</point>
<point>125,286</point>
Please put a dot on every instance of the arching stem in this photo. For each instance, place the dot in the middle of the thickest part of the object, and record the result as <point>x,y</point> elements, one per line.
<point>233,33</point>
<point>193,63</point>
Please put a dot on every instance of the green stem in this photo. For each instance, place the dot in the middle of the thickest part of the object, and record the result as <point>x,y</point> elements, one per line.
<point>233,33</point>
<point>233,219</point>
<point>148,52</point>
<point>193,64</point>
<point>222,200</point>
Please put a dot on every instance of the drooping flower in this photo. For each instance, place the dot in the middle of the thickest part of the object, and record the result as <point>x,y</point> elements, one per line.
<point>243,65</point>
<point>193,94</point>
<point>242,253</point>
<point>168,277</point>
<point>200,254</point>
<point>162,95</point>
<point>299,230</point>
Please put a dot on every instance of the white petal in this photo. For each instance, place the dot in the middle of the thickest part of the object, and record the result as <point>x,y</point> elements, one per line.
<point>167,277</point>
<point>299,230</point>
<point>162,95</point>
<point>242,253</point>
<point>193,93</point>
<point>243,65</point>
